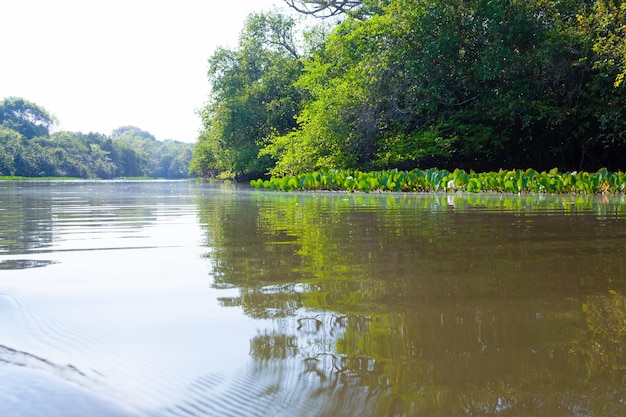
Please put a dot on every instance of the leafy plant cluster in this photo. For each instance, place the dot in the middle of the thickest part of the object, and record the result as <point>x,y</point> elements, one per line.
<point>28,149</point>
<point>433,180</point>
<point>473,84</point>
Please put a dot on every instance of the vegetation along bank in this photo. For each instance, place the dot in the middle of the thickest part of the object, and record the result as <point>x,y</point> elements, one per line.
<point>28,149</point>
<point>475,84</point>
<point>433,180</point>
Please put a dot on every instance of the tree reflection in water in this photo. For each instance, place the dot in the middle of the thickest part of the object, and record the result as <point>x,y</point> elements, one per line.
<point>428,305</point>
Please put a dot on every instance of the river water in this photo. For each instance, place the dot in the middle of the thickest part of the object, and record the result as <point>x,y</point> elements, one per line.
<point>158,298</point>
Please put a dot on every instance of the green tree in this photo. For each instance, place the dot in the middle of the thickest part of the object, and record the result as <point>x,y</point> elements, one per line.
<point>204,162</point>
<point>25,117</point>
<point>137,153</point>
<point>602,25</point>
<point>10,148</point>
<point>28,149</point>
<point>100,162</point>
<point>253,97</point>
<point>65,155</point>
<point>473,84</point>
<point>132,131</point>
<point>179,163</point>
<point>172,160</point>
<point>337,106</point>
<point>605,23</point>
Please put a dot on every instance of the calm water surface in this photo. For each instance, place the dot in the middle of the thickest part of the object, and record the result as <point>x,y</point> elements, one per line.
<point>184,299</point>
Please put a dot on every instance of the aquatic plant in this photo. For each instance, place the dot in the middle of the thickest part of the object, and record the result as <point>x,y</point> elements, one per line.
<point>435,180</point>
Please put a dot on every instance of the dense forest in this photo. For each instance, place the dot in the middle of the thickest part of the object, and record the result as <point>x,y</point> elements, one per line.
<point>28,149</point>
<point>384,84</point>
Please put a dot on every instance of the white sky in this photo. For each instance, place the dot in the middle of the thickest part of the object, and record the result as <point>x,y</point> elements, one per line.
<point>101,64</point>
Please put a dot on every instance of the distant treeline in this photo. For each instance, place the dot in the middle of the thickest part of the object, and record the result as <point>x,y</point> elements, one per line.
<point>28,149</point>
<point>471,84</point>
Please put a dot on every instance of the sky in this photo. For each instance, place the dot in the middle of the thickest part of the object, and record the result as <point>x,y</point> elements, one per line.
<point>98,65</point>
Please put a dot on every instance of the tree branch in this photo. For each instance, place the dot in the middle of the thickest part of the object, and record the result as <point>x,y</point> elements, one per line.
<point>323,8</point>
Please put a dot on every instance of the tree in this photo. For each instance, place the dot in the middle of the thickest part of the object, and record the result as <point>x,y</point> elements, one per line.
<point>26,118</point>
<point>27,148</point>
<point>66,153</point>
<point>100,162</point>
<point>473,84</point>
<point>138,154</point>
<point>204,161</point>
<point>253,97</point>
<point>10,148</point>
<point>605,24</point>
<point>132,131</point>
<point>324,8</point>
<point>179,158</point>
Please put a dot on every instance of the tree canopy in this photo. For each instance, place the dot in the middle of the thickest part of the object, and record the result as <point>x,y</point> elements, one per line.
<point>28,149</point>
<point>254,96</point>
<point>471,84</point>
<point>24,117</point>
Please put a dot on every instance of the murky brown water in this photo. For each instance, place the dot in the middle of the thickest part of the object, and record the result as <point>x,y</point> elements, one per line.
<point>176,298</point>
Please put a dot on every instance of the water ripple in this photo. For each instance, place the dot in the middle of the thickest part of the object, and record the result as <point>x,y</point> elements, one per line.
<point>12,264</point>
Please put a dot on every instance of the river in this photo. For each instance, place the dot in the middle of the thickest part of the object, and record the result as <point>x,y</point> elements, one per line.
<point>177,298</point>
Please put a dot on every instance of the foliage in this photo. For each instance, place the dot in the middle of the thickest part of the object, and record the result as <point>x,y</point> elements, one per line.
<point>133,131</point>
<point>139,154</point>
<point>253,97</point>
<point>10,147</point>
<point>129,152</point>
<point>451,71</point>
<point>476,84</point>
<point>26,118</point>
<point>606,27</point>
<point>433,180</point>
